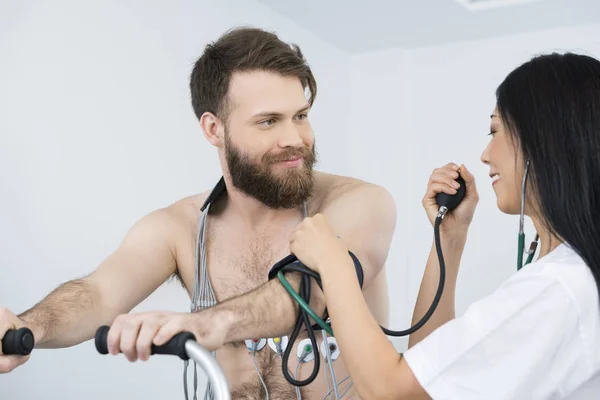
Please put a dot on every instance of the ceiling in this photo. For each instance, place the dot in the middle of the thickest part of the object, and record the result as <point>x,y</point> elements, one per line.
<point>367,25</point>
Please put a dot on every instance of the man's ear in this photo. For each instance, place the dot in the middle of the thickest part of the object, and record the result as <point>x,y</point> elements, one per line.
<point>213,129</point>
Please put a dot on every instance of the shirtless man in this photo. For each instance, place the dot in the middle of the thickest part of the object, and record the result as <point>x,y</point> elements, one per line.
<point>248,92</point>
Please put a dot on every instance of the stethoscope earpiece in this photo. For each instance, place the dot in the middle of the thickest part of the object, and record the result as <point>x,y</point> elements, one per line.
<point>534,243</point>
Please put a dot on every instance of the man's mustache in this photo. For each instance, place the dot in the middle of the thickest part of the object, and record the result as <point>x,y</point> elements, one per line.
<point>289,154</point>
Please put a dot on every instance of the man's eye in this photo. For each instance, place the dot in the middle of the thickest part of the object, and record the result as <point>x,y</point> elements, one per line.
<point>267,122</point>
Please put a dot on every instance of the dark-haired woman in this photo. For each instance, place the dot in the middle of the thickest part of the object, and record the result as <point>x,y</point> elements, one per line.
<point>538,335</point>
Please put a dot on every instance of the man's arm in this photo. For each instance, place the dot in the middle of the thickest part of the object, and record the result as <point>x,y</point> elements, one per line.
<point>71,313</point>
<point>269,310</point>
<point>364,217</point>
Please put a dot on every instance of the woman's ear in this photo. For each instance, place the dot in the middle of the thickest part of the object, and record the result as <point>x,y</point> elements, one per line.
<point>213,129</point>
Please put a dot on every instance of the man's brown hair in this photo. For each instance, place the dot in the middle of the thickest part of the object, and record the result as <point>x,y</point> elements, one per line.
<point>242,50</point>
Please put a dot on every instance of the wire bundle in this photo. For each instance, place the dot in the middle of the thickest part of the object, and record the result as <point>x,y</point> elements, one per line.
<point>302,298</point>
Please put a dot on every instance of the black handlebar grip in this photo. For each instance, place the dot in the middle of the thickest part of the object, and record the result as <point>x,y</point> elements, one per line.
<point>101,339</point>
<point>175,346</point>
<point>18,342</point>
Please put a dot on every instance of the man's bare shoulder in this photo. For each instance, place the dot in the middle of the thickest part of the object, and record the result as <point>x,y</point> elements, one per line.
<point>177,217</point>
<point>188,208</point>
<point>335,191</point>
<point>363,214</point>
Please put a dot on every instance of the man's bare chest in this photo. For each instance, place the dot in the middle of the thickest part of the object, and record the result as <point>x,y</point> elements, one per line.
<point>229,261</point>
<point>235,268</point>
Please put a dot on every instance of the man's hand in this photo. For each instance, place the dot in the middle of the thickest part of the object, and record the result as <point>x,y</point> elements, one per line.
<point>9,321</point>
<point>134,334</point>
<point>315,244</point>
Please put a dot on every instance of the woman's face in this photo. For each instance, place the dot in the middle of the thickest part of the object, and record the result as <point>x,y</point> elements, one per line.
<point>506,166</point>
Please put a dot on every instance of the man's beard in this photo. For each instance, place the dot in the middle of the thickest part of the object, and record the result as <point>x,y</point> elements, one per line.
<point>287,189</point>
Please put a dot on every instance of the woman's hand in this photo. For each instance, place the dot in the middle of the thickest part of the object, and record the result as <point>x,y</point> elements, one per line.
<point>443,180</point>
<point>315,244</point>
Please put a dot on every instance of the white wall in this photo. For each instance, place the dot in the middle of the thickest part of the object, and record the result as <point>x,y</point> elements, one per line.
<point>96,130</point>
<point>416,110</point>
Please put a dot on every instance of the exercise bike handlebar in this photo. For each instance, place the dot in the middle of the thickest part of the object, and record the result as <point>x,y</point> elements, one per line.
<point>184,346</point>
<point>175,346</point>
<point>17,342</point>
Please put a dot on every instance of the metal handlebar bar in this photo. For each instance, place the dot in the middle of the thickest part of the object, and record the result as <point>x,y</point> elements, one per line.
<point>183,345</point>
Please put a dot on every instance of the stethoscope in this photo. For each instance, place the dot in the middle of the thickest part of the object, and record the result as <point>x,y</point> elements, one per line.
<point>534,243</point>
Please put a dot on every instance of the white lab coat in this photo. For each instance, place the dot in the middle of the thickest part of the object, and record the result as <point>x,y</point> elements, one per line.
<point>536,337</point>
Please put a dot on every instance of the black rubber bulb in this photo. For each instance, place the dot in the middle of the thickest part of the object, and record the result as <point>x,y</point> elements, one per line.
<point>452,201</point>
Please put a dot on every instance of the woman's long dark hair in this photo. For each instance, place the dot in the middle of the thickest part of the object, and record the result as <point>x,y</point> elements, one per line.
<point>551,105</point>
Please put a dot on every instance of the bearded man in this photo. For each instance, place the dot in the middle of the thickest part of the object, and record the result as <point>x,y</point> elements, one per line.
<point>249,93</point>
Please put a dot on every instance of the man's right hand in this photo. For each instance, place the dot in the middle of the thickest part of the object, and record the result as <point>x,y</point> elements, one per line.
<point>9,321</point>
<point>443,180</point>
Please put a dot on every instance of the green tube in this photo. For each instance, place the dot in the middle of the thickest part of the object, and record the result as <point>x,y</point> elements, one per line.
<point>520,253</point>
<point>303,304</point>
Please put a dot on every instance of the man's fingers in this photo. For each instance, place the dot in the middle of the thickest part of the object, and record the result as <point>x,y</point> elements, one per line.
<point>8,363</point>
<point>129,335</point>
<point>113,339</point>
<point>167,331</point>
<point>144,340</point>
<point>8,321</point>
